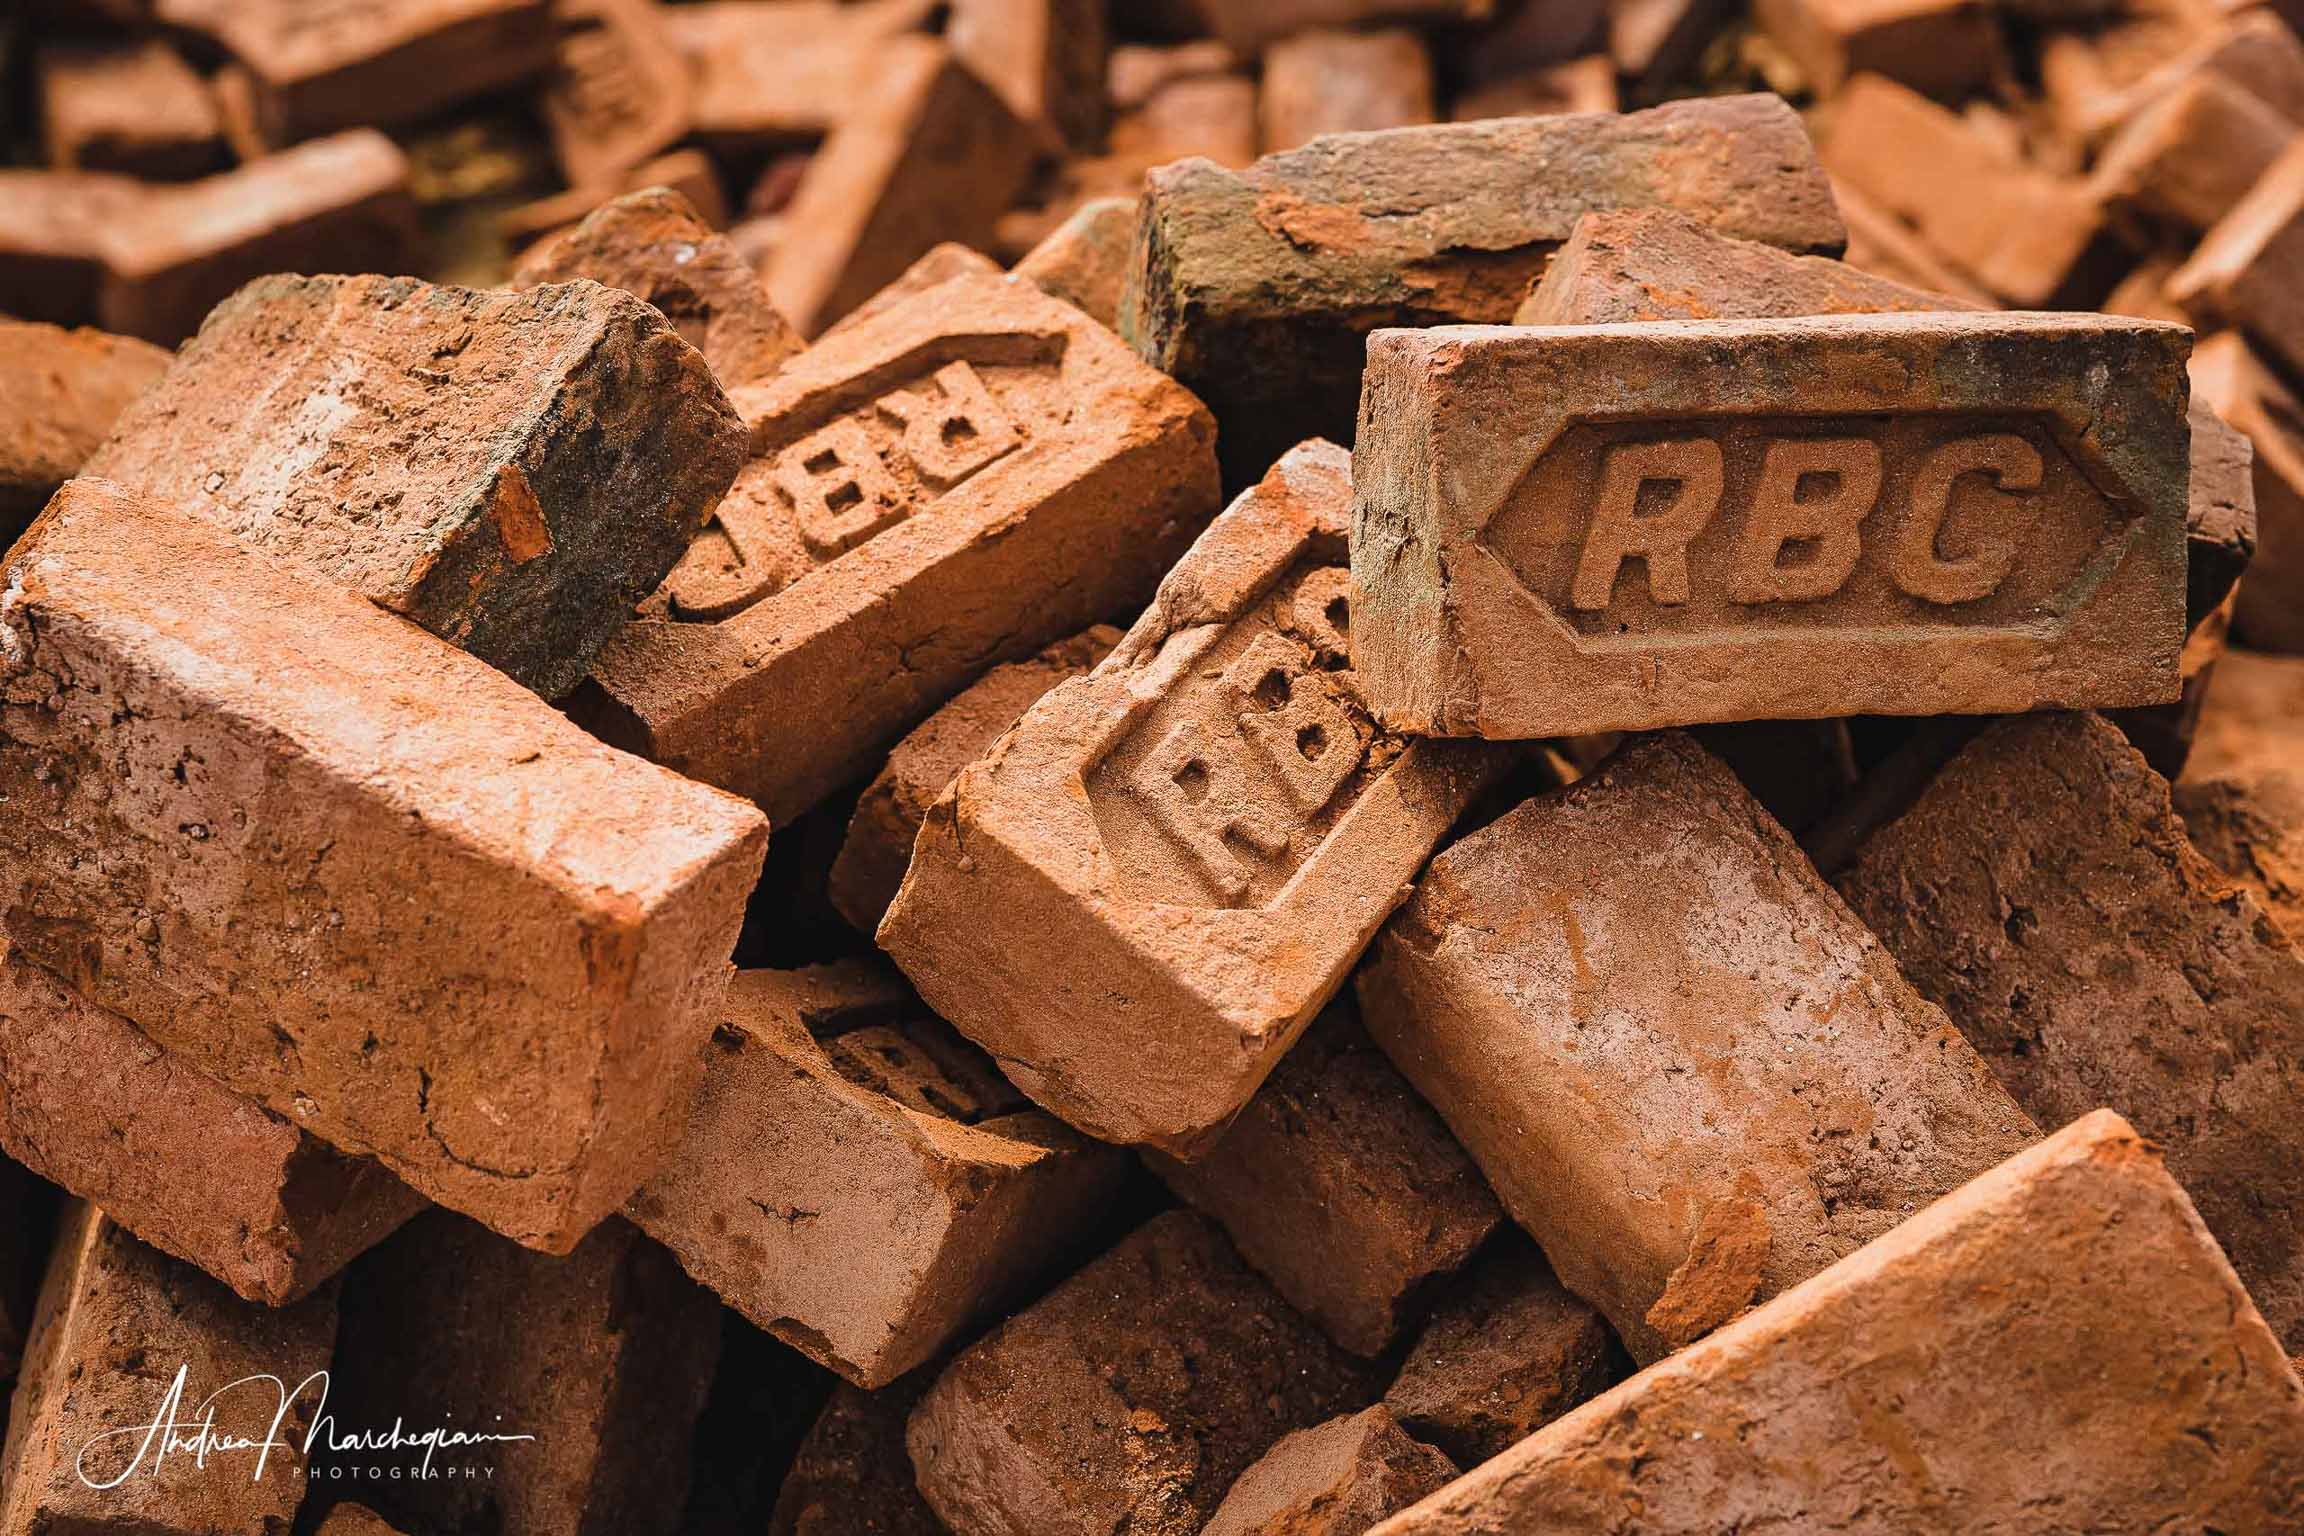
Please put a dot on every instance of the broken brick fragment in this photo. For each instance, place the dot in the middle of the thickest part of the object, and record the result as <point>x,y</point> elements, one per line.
<point>137,109</point>
<point>60,392</point>
<point>1335,1479</point>
<point>1682,1064</point>
<point>1318,82</point>
<point>2242,794</point>
<point>1084,260</point>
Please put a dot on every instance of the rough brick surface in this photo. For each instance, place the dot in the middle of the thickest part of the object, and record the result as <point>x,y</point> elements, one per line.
<point>878,847</point>
<point>1683,1065</point>
<point>2242,794</point>
<point>604,1356</point>
<point>783,75</point>
<point>924,151</point>
<point>511,471</point>
<point>60,392</point>
<point>940,263</point>
<point>1141,898</point>
<point>2004,529</point>
<point>2221,530</point>
<point>1043,58</point>
<point>2058,1341</point>
<point>852,1475</point>
<point>1337,1479</point>
<point>619,90</point>
<point>860,1181</point>
<point>1660,264</point>
<point>1129,1398</point>
<point>1084,260</point>
<point>371,61</point>
<point>117,1321</point>
<point>137,109</point>
<point>352,872</point>
<point>1508,1350</point>
<point>1342,1187</point>
<point>963,479</point>
<point>2269,610</point>
<point>654,245</point>
<point>89,1102</point>
<point>2194,153</point>
<point>51,240</point>
<point>175,253</point>
<point>1324,81</point>
<point>1258,288</point>
<point>2094,958</point>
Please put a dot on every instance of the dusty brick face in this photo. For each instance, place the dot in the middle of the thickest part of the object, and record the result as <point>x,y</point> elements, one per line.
<point>88,1101</point>
<point>2095,958</point>
<point>1043,58</point>
<point>1342,1187</point>
<point>116,1321</point>
<point>619,90</point>
<point>369,61</point>
<point>2152,1394</point>
<point>1143,895</point>
<point>352,872</point>
<point>1884,245</point>
<point>137,109</point>
<point>2244,392</point>
<point>1129,1398</point>
<point>2243,271</point>
<point>1336,1479</point>
<point>2191,155</point>
<point>1322,81</point>
<point>860,1181</point>
<point>1554,968</point>
<point>655,246</point>
<point>175,253</point>
<point>925,151</point>
<point>1660,264</point>
<point>51,240</point>
<point>962,480</point>
<point>1508,1350</point>
<point>1520,596</point>
<point>878,846</point>
<point>852,1475</point>
<point>604,1356</point>
<point>60,392</point>
<point>1257,289</point>
<point>1084,260</point>
<point>940,263</point>
<point>511,471</point>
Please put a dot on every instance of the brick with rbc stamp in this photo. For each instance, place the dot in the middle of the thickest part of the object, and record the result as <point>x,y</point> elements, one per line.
<point>858,1180</point>
<point>1670,523</point>
<point>1142,895</point>
<point>2060,1333</point>
<point>351,871</point>
<point>116,1320</point>
<point>91,1102</point>
<point>951,484</point>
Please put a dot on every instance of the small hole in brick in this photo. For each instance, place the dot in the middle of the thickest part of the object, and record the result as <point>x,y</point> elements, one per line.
<point>1311,742</point>
<point>843,496</point>
<point>823,463</point>
<point>1192,778</point>
<point>958,429</point>
<point>1272,689</point>
<point>1339,614</point>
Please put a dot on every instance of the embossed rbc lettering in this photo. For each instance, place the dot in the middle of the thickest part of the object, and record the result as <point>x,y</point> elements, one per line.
<point>1809,500</point>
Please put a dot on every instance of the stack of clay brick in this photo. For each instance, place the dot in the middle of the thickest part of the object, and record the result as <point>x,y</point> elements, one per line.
<point>1494,826</point>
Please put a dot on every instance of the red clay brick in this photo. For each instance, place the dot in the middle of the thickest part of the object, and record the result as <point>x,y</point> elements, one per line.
<point>1211,115</point>
<point>1084,260</point>
<point>88,1101</point>
<point>117,1321</point>
<point>511,471</point>
<point>777,75</point>
<point>318,68</point>
<point>926,152</point>
<point>1682,1064</point>
<point>1954,1375</point>
<point>2095,958</point>
<point>929,554</point>
<point>60,392</point>
<point>1945,428</point>
<point>134,108</point>
<point>618,93</point>
<point>1336,1479</point>
<point>2093,80</point>
<point>1139,901</point>
<point>858,1180</point>
<point>2192,154</point>
<point>687,172</point>
<point>1945,48</point>
<point>1662,39</point>
<point>1257,289</point>
<point>2243,272</point>
<point>604,1356</point>
<point>52,226</point>
<point>174,254</point>
<point>1580,85</point>
<point>1248,25</point>
<point>1342,1187</point>
<point>2242,794</point>
<point>1885,246</point>
<point>1660,264</point>
<point>654,245</point>
<point>1043,58</point>
<point>352,872</point>
<point>1508,1350</point>
<point>939,264</point>
<point>2230,377</point>
<point>878,846</point>
<point>1129,1398</point>
<point>1324,81</point>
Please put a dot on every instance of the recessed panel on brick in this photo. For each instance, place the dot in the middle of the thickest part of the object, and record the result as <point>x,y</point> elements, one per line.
<point>1633,526</point>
